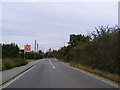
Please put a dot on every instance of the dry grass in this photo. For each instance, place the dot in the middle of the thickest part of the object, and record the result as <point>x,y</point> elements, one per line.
<point>31,60</point>
<point>107,75</point>
<point>0,64</point>
<point>9,63</point>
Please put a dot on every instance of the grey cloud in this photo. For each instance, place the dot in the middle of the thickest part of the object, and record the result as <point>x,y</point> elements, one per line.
<point>52,23</point>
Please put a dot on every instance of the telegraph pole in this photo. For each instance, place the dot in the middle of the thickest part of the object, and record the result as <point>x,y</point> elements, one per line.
<point>37,47</point>
<point>27,52</point>
<point>35,50</point>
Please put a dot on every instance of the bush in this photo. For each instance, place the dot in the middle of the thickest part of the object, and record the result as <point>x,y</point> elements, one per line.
<point>12,62</point>
<point>100,51</point>
<point>10,50</point>
<point>32,55</point>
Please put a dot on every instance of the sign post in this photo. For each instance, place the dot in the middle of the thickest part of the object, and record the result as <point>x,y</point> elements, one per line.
<point>27,49</point>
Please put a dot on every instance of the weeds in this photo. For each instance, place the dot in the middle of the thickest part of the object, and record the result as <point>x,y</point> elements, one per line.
<point>12,62</point>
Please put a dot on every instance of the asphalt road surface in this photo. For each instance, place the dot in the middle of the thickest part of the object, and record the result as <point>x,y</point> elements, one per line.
<point>51,73</point>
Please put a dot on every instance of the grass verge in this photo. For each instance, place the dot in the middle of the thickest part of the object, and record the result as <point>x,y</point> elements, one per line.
<point>30,60</point>
<point>110,76</point>
<point>9,63</point>
<point>0,64</point>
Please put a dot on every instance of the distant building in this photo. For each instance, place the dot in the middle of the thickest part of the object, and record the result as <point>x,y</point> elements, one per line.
<point>119,13</point>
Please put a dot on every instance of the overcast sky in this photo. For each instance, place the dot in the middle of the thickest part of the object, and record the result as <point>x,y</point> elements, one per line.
<point>51,23</point>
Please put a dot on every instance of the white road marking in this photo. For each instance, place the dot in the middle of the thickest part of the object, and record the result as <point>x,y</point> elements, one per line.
<point>14,79</point>
<point>17,77</point>
<point>55,59</point>
<point>52,64</point>
<point>90,74</point>
<point>53,67</point>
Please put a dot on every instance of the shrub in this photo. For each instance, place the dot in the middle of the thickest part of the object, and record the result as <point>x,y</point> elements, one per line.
<point>12,62</point>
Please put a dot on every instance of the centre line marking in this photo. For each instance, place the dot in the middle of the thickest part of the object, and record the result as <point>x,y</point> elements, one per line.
<point>53,67</point>
<point>52,64</point>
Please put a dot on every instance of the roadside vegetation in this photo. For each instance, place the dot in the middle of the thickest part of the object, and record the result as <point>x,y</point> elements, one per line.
<point>12,62</point>
<point>0,57</point>
<point>0,64</point>
<point>97,53</point>
<point>107,75</point>
<point>30,60</point>
<point>12,56</point>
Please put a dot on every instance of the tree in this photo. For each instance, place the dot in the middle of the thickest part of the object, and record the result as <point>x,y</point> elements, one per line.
<point>10,50</point>
<point>76,39</point>
<point>101,52</point>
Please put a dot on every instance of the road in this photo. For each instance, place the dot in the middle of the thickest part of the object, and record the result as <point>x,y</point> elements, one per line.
<point>51,73</point>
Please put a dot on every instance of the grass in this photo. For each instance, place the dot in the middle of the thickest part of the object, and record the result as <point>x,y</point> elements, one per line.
<point>31,60</point>
<point>9,63</point>
<point>0,64</point>
<point>107,75</point>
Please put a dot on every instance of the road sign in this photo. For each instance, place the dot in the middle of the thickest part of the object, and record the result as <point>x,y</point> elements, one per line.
<point>27,48</point>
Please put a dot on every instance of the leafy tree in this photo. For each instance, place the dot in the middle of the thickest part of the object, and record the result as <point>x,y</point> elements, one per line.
<point>0,51</point>
<point>76,39</point>
<point>100,51</point>
<point>10,50</point>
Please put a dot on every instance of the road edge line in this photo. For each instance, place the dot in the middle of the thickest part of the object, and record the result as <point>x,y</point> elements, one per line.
<point>94,76</point>
<point>11,80</point>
